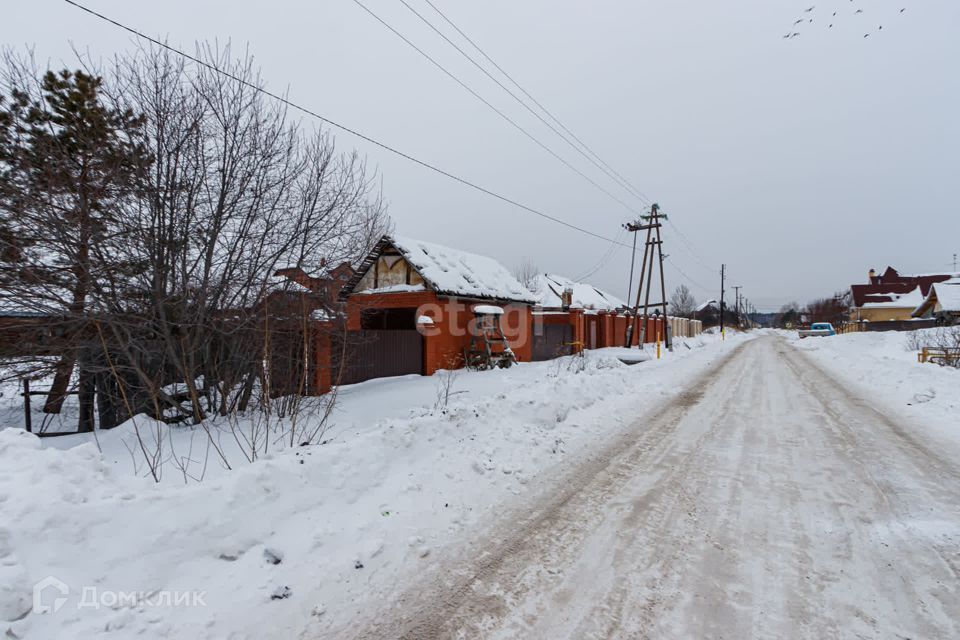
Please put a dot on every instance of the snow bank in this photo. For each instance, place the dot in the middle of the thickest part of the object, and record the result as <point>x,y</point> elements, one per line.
<point>311,538</point>
<point>883,366</point>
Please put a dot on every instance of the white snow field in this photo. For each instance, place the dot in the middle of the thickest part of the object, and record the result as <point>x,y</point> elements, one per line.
<point>761,487</point>
<point>309,541</point>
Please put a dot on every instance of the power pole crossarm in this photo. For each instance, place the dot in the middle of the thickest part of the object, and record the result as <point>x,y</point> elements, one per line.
<point>653,248</point>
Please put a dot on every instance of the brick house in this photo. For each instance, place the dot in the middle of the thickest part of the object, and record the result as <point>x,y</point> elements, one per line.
<point>410,304</point>
<point>327,283</point>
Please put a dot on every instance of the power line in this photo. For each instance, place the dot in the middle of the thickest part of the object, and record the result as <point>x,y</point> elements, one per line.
<point>500,113</point>
<point>366,138</point>
<point>332,123</point>
<point>689,246</point>
<point>608,172</point>
<point>599,163</point>
<point>687,277</point>
<point>605,258</point>
<point>636,192</point>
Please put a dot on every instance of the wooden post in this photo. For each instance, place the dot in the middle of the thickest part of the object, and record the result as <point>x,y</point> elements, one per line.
<point>27,418</point>
<point>86,392</point>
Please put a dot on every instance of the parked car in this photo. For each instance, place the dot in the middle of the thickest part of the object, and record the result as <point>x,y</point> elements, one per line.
<point>818,329</point>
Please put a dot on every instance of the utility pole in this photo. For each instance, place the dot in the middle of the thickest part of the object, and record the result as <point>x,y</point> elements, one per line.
<point>736,304</point>
<point>723,275</point>
<point>653,245</point>
<point>632,227</point>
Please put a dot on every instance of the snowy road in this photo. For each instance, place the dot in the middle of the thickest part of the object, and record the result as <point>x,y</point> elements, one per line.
<point>766,502</point>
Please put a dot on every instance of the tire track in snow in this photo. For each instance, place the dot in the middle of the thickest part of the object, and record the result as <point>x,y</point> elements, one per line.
<point>764,501</point>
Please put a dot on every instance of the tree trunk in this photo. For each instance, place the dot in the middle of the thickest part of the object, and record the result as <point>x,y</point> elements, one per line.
<point>107,393</point>
<point>87,391</point>
<point>61,381</point>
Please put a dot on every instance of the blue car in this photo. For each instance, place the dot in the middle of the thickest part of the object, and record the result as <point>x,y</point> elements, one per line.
<point>818,329</point>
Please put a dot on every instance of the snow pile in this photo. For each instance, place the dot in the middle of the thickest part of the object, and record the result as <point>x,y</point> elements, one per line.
<point>458,273</point>
<point>309,539</point>
<point>550,287</point>
<point>884,367</point>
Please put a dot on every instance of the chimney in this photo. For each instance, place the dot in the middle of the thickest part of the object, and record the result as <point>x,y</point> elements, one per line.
<point>871,276</point>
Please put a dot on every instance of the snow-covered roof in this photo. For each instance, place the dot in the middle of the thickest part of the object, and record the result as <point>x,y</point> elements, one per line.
<point>946,294</point>
<point>549,289</point>
<point>395,288</point>
<point>12,306</point>
<point>704,305</point>
<point>459,273</point>
<point>910,300</point>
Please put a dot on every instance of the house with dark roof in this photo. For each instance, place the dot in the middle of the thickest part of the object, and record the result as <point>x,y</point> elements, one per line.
<point>891,296</point>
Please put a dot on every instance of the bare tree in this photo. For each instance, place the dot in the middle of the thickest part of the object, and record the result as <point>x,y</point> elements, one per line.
<point>682,302</point>
<point>183,318</point>
<point>834,309</point>
<point>527,273</point>
<point>788,316</point>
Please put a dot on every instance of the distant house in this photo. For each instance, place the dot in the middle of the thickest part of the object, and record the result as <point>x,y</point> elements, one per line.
<point>891,296</point>
<point>571,316</point>
<point>708,312</point>
<point>942,303</point>
<point>327,283</point>
<point>552,289</point>
<point>413,303</point>
<point>28,331</point>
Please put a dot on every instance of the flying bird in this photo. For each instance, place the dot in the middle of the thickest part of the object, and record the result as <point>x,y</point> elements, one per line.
<point>810,9</point>
<point>798,21</point>
<point>858,11</point>
<point>902,10</point>
<point>866,35</point>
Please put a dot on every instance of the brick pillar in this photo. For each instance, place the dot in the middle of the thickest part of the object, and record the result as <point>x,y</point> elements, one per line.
<point>579,329</point>
<point>321,379</point>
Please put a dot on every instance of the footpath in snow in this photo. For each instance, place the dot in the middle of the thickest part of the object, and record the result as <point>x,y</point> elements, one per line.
<point>308,538</point>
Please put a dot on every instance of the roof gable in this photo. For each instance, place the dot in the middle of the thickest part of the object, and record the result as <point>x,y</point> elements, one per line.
<point>944,295</point>
<point>449,271</point>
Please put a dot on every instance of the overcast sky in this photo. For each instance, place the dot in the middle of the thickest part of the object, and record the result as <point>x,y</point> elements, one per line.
<point>798,162</point>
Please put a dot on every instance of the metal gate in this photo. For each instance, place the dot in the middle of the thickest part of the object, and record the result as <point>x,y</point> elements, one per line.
<point>380,353</point>
<point>554,342</point>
